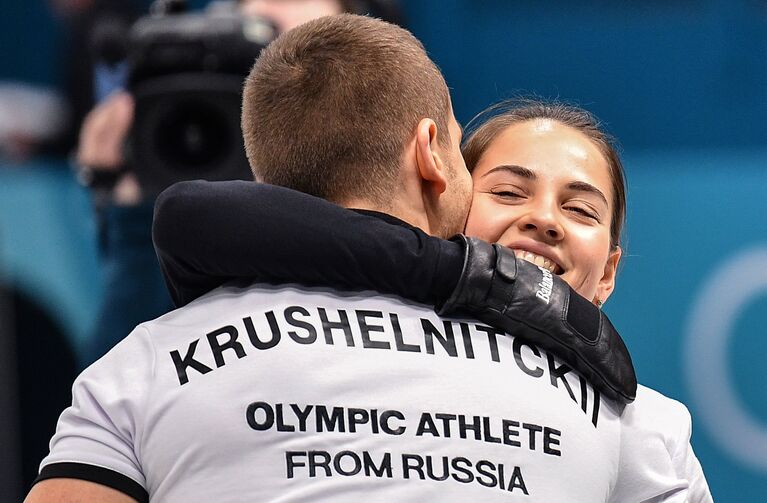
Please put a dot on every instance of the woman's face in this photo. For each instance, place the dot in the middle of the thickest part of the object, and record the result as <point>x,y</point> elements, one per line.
<point>544,190</point>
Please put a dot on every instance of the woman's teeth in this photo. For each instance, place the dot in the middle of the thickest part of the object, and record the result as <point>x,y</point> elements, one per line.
<point>537,260</point>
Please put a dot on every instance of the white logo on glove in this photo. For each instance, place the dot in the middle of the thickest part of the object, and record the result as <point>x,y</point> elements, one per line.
<point>545,286</point>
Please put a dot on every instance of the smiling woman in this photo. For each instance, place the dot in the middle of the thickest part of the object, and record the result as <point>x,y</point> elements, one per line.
<point>549,184</point>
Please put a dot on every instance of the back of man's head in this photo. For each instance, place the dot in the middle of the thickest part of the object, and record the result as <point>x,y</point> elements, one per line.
<point>329,107</point>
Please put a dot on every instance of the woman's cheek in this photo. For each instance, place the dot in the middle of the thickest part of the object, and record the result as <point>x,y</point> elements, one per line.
<point>483,220</point>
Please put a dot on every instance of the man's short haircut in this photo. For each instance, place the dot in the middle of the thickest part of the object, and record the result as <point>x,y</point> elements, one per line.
<point>329,107</point>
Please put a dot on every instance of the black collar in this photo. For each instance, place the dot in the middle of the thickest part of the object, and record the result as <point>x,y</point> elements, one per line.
<point>385,217</point>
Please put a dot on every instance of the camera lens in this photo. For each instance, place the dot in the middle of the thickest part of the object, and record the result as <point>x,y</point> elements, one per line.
<point>187,126</point>
<point>194,136</point>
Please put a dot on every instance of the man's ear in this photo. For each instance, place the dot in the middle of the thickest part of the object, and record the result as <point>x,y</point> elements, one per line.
<point>607,282</point>
<point>431,167</point>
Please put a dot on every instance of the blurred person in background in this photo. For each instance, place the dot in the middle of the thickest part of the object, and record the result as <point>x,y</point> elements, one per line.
<point>84,19</point>
<point>134,288</point>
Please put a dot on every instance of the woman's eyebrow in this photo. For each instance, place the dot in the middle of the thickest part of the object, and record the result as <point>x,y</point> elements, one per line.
<point>587,187</point>
<point>528,174</point>
<point>514,170</point>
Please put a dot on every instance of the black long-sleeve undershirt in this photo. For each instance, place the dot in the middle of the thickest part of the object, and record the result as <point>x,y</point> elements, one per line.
<point>208,233</point>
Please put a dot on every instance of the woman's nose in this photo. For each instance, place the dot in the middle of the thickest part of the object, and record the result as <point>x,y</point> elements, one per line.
<point>542,221</point>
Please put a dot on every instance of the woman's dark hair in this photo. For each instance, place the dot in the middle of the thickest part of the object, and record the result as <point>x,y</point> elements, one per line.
<point>486,126</point>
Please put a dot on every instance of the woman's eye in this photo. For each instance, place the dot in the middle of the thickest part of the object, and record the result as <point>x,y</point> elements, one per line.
<point>507,194</point>
<point>584,212</point>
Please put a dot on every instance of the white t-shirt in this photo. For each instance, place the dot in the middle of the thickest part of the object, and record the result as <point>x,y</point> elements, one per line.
<point>657,461</point>
<point>290,394</point>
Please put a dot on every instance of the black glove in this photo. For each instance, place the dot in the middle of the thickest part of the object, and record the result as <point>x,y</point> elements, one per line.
<point>520,298</point>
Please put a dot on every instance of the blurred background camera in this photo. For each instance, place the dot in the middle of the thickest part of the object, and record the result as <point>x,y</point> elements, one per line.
<point>185,71</point>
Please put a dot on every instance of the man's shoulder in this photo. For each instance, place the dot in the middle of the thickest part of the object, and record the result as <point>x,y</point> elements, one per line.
<point>654,410</point>
<point>279,305</point>
<point>239,293</point>
<point>653,399</point>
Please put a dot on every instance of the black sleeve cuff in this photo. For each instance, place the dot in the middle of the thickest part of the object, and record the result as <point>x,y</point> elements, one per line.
<point>97,474</point>
<point>448,269</point>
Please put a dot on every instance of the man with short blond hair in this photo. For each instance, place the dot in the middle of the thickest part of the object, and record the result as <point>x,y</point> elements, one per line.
<point>352,93</point>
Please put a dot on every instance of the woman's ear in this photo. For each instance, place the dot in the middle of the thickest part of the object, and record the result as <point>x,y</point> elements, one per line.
<point>607,282</point>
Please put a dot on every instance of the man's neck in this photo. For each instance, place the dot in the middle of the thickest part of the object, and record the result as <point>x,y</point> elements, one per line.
<point>392,209</point>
